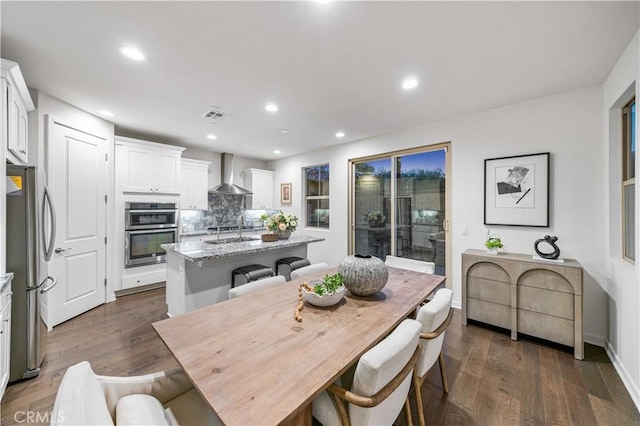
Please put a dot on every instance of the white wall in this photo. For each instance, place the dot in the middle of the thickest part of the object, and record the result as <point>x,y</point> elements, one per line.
<point>568,125</point>
<point>622,279</point>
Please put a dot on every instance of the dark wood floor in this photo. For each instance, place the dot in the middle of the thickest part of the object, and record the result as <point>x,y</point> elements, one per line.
<point>492,380</point>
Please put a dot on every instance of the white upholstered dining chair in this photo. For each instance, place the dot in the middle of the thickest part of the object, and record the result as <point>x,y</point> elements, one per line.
<point>410,264</point>
<point>254,286</point>
<point>434,318</point>
<point>308,270</point>
<point>376,390</point>
<point>163,398</point>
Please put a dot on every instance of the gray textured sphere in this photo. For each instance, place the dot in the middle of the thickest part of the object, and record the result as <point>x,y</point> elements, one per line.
<point>363,275</point>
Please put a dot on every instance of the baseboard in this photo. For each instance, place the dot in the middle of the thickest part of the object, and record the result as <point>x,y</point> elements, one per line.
<point>139,289</point>
<point>456,305</point>
<point>632,388</point>
<point>594,340</point>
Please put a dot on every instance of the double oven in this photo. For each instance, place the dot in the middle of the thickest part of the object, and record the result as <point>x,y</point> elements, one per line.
<point>147,227</point>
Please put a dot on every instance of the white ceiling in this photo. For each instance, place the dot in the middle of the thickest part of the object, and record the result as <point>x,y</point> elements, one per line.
<point>329,67</point>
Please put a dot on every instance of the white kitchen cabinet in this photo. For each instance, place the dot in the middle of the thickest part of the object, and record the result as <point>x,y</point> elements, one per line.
<point>148,167</point>
<point>195,183</point>
<point>143,276</point>
<point>260,182</point>
<point>16,104</point>
<point>5,330</point>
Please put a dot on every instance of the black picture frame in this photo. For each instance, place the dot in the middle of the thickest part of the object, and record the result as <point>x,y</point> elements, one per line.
<point>516,190</point>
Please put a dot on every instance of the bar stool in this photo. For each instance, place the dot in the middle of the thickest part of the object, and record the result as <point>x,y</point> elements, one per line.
<point>245,274</point>
<point>287,265</point>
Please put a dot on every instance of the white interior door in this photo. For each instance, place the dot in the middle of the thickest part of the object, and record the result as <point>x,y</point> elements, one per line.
<point>78,183</point>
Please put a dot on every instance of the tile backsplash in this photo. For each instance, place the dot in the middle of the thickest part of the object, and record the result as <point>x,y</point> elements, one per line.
<point>224,210</point>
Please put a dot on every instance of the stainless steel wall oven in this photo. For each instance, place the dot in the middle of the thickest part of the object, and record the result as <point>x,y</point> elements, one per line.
<point>147,227</point>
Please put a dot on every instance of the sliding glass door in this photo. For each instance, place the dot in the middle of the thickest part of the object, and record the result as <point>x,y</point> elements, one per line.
<point>399,205</point>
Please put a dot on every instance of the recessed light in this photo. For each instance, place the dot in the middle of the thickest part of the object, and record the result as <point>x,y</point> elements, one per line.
<point>284,130</point>
<point>132,53</point>
<point>277,151</point>
<point>340,135</point>
<point>106,113</point>
<point>271,107</point>
<point>409,83</point>
<point>212,137</point>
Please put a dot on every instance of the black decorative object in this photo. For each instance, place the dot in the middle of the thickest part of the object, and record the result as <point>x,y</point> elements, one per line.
<point>552,242</point>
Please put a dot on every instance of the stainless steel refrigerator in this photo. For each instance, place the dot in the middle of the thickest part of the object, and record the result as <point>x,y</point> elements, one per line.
<point>30,215</point>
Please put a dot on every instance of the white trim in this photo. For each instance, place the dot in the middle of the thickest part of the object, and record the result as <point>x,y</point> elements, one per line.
<point>593,339</point>
<point>192,162</point>
<point>11,70</point>
<point>627,380</point>
<point>121,140</point>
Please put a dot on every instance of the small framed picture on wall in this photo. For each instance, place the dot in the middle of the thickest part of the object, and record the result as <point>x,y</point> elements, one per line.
<point>516,190</point>
<point>285,193</point>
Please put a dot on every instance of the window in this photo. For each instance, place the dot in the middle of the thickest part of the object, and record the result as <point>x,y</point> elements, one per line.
<point>317,196</point>
<point>629,180</point>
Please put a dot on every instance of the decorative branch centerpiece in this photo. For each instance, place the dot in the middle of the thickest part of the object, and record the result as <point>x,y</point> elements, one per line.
<point>280,223</point>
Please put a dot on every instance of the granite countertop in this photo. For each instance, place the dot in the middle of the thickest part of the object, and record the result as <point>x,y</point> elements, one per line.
<point>245,232</point>
<point>196,251</point>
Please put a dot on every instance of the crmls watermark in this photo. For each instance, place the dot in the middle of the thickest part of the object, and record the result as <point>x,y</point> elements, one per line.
<point>37,417</point>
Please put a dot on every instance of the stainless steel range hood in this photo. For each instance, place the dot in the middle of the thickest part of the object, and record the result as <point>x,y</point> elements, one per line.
<point>226,171</point>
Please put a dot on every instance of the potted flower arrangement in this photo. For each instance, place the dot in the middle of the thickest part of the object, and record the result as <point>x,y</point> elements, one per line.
<point>281,224</point>
<point>493,243</point>
<point>375,218</point>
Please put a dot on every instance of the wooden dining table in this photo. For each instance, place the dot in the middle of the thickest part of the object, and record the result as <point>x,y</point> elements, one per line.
<point>256,365</point>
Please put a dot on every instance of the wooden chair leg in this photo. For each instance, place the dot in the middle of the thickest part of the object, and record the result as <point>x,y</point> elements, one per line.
<point>407,411</point>
<point>443,374</point>
<point>342,410</point>
<point>417,384</point>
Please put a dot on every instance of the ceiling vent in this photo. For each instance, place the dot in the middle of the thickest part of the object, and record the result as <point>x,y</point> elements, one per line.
<point>214,114</point>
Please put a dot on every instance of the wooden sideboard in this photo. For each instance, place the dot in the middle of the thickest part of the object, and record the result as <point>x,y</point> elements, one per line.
<point>535,297</point>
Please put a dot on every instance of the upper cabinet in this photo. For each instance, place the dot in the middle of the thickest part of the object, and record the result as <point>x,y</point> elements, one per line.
<point>260,182</point>
<point>148,167</point>
<point>195,182</point>
<point>16,104</point>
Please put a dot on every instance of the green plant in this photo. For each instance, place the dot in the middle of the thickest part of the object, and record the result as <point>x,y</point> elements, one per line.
<point>329,285</point>
<point>493,241</point>
<point>374,216</point>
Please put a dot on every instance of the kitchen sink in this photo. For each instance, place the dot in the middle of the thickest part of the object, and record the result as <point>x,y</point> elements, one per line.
<point>232,240</point>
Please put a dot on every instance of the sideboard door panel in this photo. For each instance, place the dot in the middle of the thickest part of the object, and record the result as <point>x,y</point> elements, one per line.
<point>555,329</point>
<point>546,302</point>
<point>489,313</point>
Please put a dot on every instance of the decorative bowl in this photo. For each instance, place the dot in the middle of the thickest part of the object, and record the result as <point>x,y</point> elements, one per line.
<point>324,300</point>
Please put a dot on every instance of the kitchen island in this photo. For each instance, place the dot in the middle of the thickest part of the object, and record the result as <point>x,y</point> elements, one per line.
<point>199,272</point>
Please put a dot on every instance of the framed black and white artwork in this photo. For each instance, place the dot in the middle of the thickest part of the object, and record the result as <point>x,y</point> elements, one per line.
<point>516,190</point>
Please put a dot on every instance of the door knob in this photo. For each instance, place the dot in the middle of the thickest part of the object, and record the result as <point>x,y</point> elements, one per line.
<point>59,250</point>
